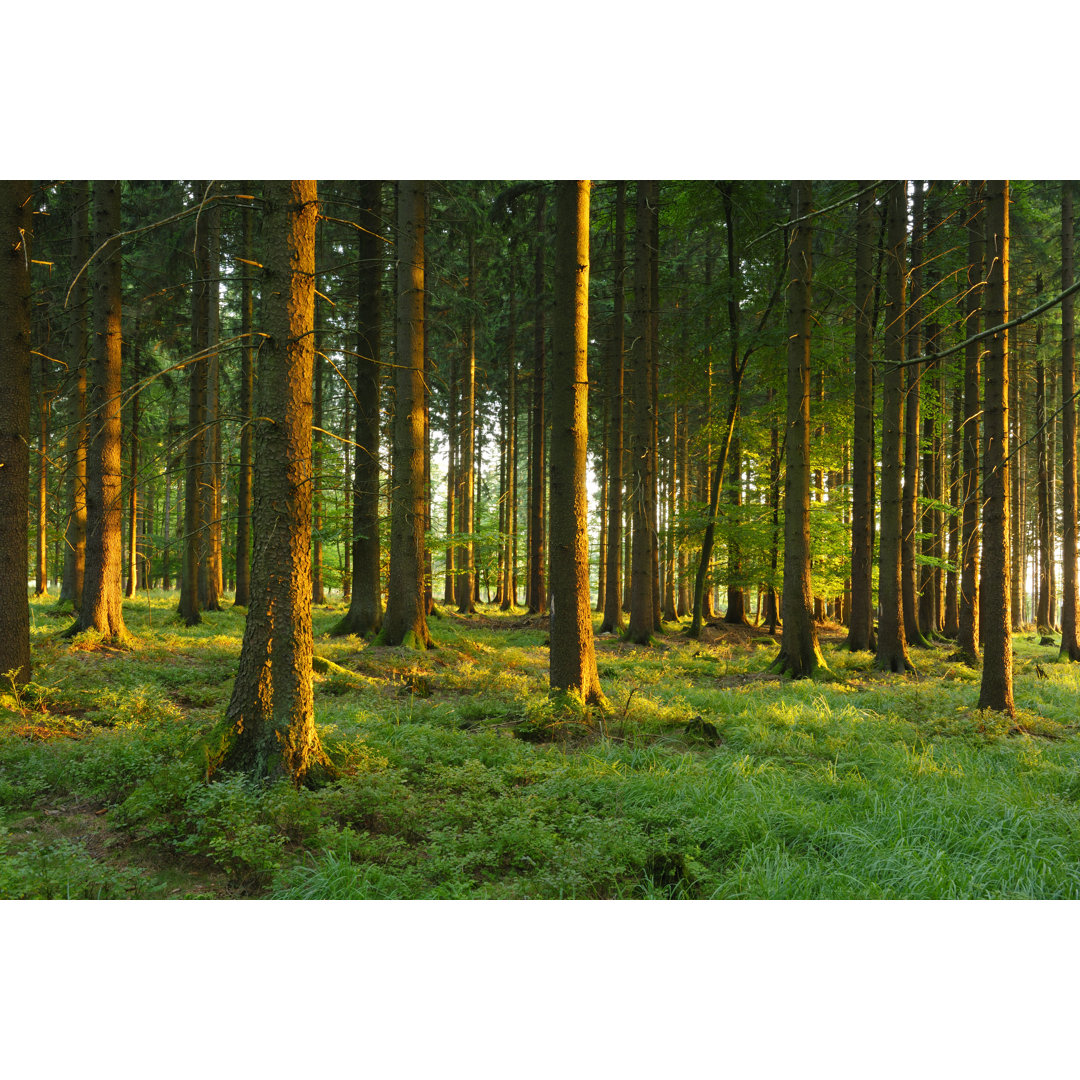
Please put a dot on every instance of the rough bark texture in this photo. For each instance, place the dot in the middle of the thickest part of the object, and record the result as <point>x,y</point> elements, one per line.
<point>996,691</point>
<point>968,636</point>
<point>270,721</point>
<point>861,630</point>
<point>102,603</point>
<point>405,622</point>
<point>508,599</point>
<point>573,657</point>
<point>365,612</point>
<point>891,639</point>
<point>1070,647</point>
<point>15,239</point>
<point>800,654</point>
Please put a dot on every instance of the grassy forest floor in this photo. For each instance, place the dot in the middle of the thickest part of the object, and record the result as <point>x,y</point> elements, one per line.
<point>460,778</point>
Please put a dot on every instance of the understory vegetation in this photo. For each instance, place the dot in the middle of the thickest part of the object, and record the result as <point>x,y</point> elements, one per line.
<point>460,777</point>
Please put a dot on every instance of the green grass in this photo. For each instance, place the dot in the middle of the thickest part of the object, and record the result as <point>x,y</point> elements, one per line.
<point>460,777</point>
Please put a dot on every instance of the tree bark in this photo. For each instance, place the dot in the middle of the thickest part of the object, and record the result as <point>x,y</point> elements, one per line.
<point>16,229</point>
<point>861,631</point>
<point>573,657</point>
<point>536,600</point>
<point>996,691</point>
<point>102,603</point>
<point>270,720</point>
<point>612,621</point>
<point>642,622</point>
<point>892,652</point>
<point>76,352</point>
<point>405,622</point>
<point>1070,647</point>
<point>800,656</point>
<point>242,597</point>
<point>969,636</point>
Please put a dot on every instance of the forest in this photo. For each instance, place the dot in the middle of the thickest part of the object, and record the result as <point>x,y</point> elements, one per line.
<point>538,540</point>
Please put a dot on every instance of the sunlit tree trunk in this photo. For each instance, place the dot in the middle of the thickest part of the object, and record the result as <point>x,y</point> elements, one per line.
<point>996,691</point>
<point>270,720</point>
<point>573,657</point>
<point>800,654</point>
<point>891,638</point>
<point>16,229</point>
<point>318,593</point>
<point>102,603</point>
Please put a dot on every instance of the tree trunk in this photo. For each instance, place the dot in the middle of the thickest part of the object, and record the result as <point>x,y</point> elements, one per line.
<point>405,622</point>
<point>909,512</point>
<point>800,654</point>
<point>365,614</point>
<point>861,631</point>
<point>891,638</point>
<point>996,691</point>
<point>573,658</point>
<point>102,603</point>
<point>270,720</point>
<point>536,600</point>
<point>969,636</point>
<point>1070,647</point>
<point>76,351</point>
<point>642,622</point>
<point>509,595</point>
<point>242,597</point>
<point>16,229</point>
<point>133,483</point>
<point>612,621</point>
<point>318,593</point>
<point>467,449</point>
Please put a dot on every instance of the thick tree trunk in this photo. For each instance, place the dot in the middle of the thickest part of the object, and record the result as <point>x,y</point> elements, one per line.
<point>318,593</point>
<point>861,630</point>
<point>16,231</point>
<point>405,622</point>
<point>102,603</point>
<point>800,655</point>
<point>573,658</point>
<point>891,638</point>
<point>210,569</point>
<point>270,720</point>
<point>996,691</point>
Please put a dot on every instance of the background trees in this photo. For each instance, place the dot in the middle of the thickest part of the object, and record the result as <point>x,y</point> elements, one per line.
<point>685,456</point>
